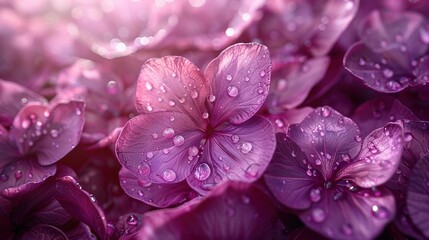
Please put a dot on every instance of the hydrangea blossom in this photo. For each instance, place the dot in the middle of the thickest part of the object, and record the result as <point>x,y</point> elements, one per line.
<point>324,169</point>
<point>200,127</point>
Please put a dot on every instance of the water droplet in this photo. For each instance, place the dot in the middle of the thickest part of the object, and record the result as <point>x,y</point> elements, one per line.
<point>205,115</point>
<point>318,215</point>
<point>228,77</point>
<point>143,169</point>
<point>172,103</point>
<point>202,171</point>
<point>230,32</point>
<point>149,155</point>
<point>166,151</point>
<point>54,133</point>
<point>4,177</point>
<point>388,73</point>
<point>325,112</point>
<point>193,151</point>
<point>246,79</point>
<point>315,195</point>
<point>392,85</point>
<point>141,193</point>
<point>262,73</point>
<point>178,140</point>
<point>112,87</point>
<point>246,147</point>
<point>92,198</point>
<point>318,162</point>
<point>154,135</point>
<point>362,62</point>
<point>168,133</point>
<point>78,112</point>
<point>380,211</point>
<point>149,107</point>
<point>173,74</point>
<point>279,123</point>
<point>424,35</point>
<point>252,170</point>
<point>172,118</point>
<point>148,86</point>
<point>235,138</point>
<point>345,157</point>
<point>182,100</point>
<point>408,137</point>
<point>169,175</point>
<point>232,91</point>
<point>212,98</point>
<point>194,94</point>
<point>358,138</point>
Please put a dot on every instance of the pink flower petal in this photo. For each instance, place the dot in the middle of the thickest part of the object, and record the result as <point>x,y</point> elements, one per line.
<point>292,82</point>
<point>80,205</point>
<point>418,195</point>
<point>236,152</point>
<point>378,159</point>
<point>357,215</point>
<point>158,195</point>
<point>48,132</point>
<point>327,138</point>
<point>234,210</point>
<point>287,177</point>
<point>172,84</point>
<point>157,145</point>
<point>240,79</point>
<point>13,98</point>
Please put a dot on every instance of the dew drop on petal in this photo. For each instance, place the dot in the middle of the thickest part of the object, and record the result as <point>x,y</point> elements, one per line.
<point>212,98</point>
<point>54,133</point>
<point>202,171</point>
<point>246,147</point>
<point>169,175</point>
<point>232,91</point>
<point>148,86</point>
<point>173,74</point>
<point>154,135</point>
<point>345,157</point>
<point>325,112</point>
<point>205,115</point>
<point>143,169</point>
<point>193,151</point>
<point>358,138</point>
<point>252,170</point>
<point>235,138</point>
<point>262,73</point>
<point>388,73</point>
<point>149,155</point>
<point>172,103</point>
<point>228,77</point>
<point>18,174</point>
<point>318,215</point>
<point>362,62</point>
<point>315,195</point>
<point>168,133</point>
<point>4,177</point>
<point>318,162</point>
<point>392,85</point>
<point>380,211</point>
<point>194,94</point>
<point>408,137</point>
<point>178,140</point>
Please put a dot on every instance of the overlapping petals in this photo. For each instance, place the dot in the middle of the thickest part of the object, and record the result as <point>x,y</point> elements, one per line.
<point>198,126</point>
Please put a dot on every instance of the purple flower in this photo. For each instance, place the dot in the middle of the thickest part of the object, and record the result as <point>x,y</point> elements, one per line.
<point>233,210</point>
<point>200,127</point>
<point>392,52</point>
<point>324,169</point>
<point>39,136</point>
<point>418,195</point>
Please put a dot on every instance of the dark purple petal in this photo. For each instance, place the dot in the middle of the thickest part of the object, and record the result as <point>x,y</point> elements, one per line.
<point>12,98</point>
<point>356,215</point>
<point>43,232</point>
<point>232,211</point>
<point>291,83</point>
<point>159,146</point>
<point>418,195</point>
<point>81,205</point>
<point>288,178</point>
<point>23,175</point>
<point>172,84</point>
<point>158,195</point>
<point>6,227</point>
<point>240,79</point>
<point>378,159</point>
<point>406,32</point>
<point>376,113</point>
<point>235,152</point>
<point>421,71</point>
<point>327,138</point>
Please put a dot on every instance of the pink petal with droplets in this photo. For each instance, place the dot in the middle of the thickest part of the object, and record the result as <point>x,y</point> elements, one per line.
<point>235,152</point>
<point>158,195</point>
<point>157,145</point>
<point>240,78</point>
<point>378,159</point>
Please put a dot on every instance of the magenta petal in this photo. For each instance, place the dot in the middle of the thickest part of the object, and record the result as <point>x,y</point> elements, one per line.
<point>234,210</point>
<point>236,152</point>
<point>81,205</point>
<point>12,98</point>
<point>240,81</point>
<point>291,83</point>
<point>20,176</point>
<point>286,176</point>
<point>171,84</point>
<point>158,195</point>
<point>378,159</point>
<point>43,232</point>
<point>360,215</point>
<point>157,145</point>
<point>376,113</point>
<point>326,137</point>
<point>418,195</point>
<point>406,32</point>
